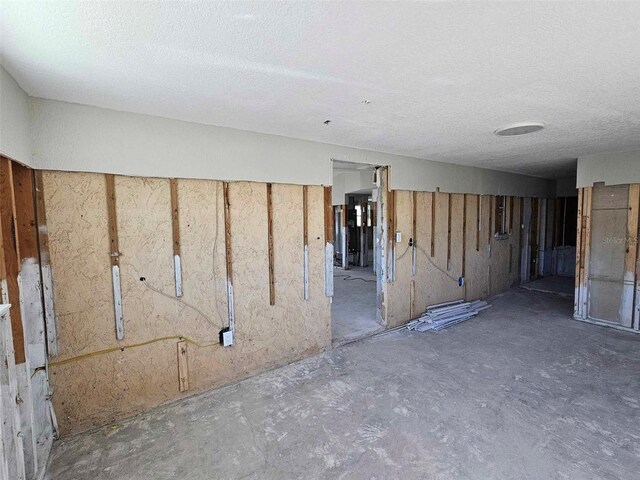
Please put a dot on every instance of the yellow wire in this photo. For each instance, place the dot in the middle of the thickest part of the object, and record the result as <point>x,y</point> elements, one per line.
<point>135,345</point>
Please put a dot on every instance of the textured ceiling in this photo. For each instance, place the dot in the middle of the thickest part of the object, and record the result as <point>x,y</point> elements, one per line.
<point>441,77</point>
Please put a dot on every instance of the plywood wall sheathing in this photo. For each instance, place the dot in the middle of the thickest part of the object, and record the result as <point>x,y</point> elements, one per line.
<point>433,283</point>
<point>95,380</point>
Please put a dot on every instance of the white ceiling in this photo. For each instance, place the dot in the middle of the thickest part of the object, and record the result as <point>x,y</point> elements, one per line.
<point>441,77</point>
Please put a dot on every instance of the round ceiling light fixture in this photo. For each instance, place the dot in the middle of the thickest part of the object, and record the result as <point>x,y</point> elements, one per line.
<point>519,129</point>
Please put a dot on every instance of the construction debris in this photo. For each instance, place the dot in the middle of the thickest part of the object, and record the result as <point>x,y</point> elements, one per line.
<point>443,315</point>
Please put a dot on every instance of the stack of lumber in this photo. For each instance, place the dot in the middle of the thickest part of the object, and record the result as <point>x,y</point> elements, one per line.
<point>443,315</point>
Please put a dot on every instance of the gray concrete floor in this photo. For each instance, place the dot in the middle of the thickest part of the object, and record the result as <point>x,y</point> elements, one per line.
<point>564,286</point>
<point>353,310</point>
<point>520,392</point>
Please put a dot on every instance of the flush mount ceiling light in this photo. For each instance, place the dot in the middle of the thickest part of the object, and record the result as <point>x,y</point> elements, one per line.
<point>519,129</point>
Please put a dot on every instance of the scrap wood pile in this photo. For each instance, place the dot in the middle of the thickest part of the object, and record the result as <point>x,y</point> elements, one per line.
<point>443,315</point>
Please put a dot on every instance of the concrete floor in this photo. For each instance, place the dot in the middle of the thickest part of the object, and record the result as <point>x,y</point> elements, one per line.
<point>353,310</point>
<point>564,286</point>
<point>520,392</point>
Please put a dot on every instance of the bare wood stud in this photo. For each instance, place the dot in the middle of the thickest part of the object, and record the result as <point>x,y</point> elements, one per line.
<point>272,284</point>
<point>228,257</point>
<point>114,255</point>
<point>183,366</point>
<point>175,228</point>
<point>305,239</point>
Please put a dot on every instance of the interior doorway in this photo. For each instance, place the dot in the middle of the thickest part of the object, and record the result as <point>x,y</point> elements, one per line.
<point>355,197</point>
<point>551,226</point>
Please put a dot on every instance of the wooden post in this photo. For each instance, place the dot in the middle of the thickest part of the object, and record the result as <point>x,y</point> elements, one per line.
<point>344,236</point>
<point>492,210</point>
<point>114,255</point>
<point>305,239</point>
<point>585,244</point>
<point>229,257</point>
<point>478,221</point>
<point>45,264</point>
<point>628,293</point>
<point>328,238</point>
<point>391,206</point>
<point>636,304</point>
<point>448,231</point>
<point>433,224</point>
<point>577,310</point>
<point>175,228</point>
<point>414,233</point>
<point>183,366</point>
<point>272,285</point>
<point>464,234</point>
<point>11,246</point>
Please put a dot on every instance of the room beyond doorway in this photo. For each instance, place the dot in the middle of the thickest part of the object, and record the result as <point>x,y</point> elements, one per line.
<point>353,310</point>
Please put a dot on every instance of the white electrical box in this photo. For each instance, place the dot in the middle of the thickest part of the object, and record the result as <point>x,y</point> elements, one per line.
<point>227,338</point>
<point>398,237</point>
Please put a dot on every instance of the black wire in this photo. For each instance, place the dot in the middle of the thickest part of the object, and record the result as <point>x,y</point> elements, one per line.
<point>350,277</point>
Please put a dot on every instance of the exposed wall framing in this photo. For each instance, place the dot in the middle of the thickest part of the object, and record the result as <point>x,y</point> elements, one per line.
<point>450,217</point>
<point>24,401</point>
<point>607,256</point>
<point>223,236</point>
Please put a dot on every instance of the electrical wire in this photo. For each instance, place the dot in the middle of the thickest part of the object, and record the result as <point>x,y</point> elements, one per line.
<point>351,277</point>
<point>135,345</point>
<point>179,300</point>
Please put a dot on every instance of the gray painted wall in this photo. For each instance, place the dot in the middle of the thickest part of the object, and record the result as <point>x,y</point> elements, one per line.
<point>53,135</point>
<point>612,169</point>
<point>15,141</point>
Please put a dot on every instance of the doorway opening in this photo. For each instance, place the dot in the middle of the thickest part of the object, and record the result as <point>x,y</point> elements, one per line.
<point>549,261</point>
<point>355,202</point>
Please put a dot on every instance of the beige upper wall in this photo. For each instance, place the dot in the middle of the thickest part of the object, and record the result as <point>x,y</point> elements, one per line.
<point>15,137</point>
<point>75,137</point>
<point>350,182</point>
<point>612,169</point>
<point>55,135</point>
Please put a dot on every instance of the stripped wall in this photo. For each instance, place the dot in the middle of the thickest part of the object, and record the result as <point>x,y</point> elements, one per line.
<point>454,237</point>
<point>24,341</point>
<point>97,378</point>
<point>607,288</point>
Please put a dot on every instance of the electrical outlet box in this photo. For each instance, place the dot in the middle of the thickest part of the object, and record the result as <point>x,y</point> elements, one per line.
<point>226,337</point>
<point>398,237</point>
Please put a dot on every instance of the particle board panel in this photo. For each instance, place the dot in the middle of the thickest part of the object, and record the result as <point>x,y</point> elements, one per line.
<point>125,382</point>
<point>433,283</point>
